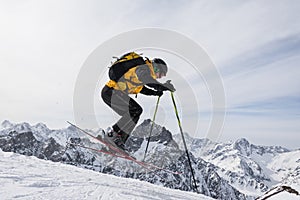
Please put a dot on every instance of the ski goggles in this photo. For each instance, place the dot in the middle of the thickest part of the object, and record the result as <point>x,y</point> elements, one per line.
<point>158,70</point>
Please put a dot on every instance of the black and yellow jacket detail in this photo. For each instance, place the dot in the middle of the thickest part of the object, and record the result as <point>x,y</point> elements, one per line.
<point>133,81</point>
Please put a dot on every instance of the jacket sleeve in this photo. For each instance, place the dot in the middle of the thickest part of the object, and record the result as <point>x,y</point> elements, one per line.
<point>143,73</point>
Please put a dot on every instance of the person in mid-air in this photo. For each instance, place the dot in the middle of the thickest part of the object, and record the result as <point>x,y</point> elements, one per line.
<point>141,77</point>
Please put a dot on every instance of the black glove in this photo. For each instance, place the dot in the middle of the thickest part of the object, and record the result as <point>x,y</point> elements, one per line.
<point>158,93</point>
<point>148,91</point>
<point>169,86</point>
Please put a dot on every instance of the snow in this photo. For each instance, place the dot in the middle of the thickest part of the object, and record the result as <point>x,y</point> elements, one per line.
<point>284,164</point>
<point>282,195</point>
<point>23,177</point>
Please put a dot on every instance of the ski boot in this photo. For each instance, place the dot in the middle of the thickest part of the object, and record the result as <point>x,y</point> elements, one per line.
<point>108,133</point>
<point>116,138</point>
<point>120,140</point>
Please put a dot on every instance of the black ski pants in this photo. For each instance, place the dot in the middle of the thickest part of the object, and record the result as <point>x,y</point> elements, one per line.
<point>129,110</point>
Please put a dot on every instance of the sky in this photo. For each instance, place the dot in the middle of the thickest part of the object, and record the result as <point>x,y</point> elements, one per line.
<point>254,45</point>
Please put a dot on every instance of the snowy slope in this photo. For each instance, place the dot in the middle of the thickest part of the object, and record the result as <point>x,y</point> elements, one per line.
<point>286,167</point>
<point>23,177</point>
<point>282,192</point>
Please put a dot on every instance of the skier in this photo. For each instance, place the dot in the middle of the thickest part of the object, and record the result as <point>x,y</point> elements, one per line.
<point>138,79</point>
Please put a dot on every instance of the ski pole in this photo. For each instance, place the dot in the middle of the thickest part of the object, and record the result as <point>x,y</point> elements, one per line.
<point>155,111</point>
<point>184,143</point>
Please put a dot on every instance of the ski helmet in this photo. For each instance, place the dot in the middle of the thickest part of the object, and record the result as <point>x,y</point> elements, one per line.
<point>159,66</point>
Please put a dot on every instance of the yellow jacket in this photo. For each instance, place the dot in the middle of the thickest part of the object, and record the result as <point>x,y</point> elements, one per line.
<point>130,82</point>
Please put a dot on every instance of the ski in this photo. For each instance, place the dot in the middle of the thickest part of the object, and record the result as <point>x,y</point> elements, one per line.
<point>147,166</point>
<point>98,150</point>
<point>116,155</point>
<point>103,141</point>
<point>107,140</point>
<point>119,153</point>
<point>111,154</point>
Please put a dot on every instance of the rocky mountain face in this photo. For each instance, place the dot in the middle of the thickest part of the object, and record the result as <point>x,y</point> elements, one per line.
<point>252,169</point>
<point>238,170</point>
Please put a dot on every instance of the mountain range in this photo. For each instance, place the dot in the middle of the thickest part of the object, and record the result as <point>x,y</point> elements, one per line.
<point>233,170</point>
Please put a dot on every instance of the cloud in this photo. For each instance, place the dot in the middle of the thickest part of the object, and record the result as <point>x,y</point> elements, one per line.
<point>264,81</point>
<point>263,55</point>
<point>276,108</point>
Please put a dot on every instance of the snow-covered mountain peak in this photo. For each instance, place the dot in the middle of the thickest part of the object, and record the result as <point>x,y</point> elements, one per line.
<point>243,146</point>
<point>41,127</point>
<point>245,165</point>
<point>24,127</point>
<point>6,124</point>
<point>242,142</point>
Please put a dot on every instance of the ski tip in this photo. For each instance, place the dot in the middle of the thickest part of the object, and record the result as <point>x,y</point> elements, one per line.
<point>70,123</point>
